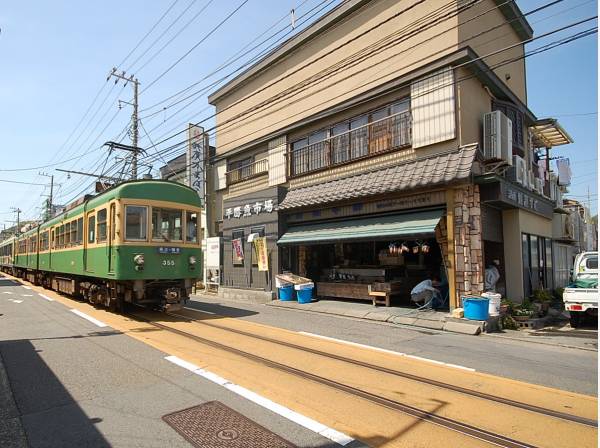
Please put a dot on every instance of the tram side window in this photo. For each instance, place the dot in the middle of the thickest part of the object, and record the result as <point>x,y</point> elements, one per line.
<point>91,229</point>
<point>52,240</point>
<point>135,222</point>
<point>191,226</point>
<point>79,230</point>
<point>101,225</point>
<point>166,224</point>
<point>67,234</point>
<point>73,233</point>
<point>61,236</point>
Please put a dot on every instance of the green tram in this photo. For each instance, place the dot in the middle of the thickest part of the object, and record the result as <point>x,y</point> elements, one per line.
<point>138,242</point>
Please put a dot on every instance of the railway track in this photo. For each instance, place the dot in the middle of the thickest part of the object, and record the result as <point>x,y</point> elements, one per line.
<point>428,381</point>
<point>420,414</point>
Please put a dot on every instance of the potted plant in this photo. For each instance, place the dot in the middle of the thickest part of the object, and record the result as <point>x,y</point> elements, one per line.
<point>543,297</point>
<point>524,311</point>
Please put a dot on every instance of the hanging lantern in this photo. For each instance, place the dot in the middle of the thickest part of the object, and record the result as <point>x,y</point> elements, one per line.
<point>425,248</point>
<point>404,248</point>
<point>392,249</point>
<point>415,249</point>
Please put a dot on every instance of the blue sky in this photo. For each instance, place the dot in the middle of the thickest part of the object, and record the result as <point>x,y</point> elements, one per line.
<point>56,56</point>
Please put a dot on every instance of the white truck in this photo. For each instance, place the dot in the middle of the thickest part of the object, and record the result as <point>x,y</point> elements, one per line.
<point>581,296</point>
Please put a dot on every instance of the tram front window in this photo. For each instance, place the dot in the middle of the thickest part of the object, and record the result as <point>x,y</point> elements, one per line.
<point>166,224</point>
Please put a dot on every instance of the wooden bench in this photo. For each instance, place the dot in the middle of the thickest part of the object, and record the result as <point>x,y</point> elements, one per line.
<point>379,297</point>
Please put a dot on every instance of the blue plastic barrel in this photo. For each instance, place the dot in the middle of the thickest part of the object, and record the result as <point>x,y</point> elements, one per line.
<point>476,308</point>
<point>305,295</point>
<point>286,293</point>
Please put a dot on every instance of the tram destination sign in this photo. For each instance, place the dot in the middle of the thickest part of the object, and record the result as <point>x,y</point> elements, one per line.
<point>168,250</point>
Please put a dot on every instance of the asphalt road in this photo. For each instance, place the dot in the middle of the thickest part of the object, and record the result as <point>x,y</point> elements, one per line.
<point>545,364</point>
<point>65,382</point>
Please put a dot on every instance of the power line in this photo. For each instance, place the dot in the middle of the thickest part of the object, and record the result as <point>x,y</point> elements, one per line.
<point>222,22</point>
<point>238,56</point>
<point>505,62</point>
<point>130,67</point>
<point>148,33</point>
<point>269,102</point>
<point>189,22</point>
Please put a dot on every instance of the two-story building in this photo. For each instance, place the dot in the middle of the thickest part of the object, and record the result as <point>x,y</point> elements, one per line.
<point>366,150</point>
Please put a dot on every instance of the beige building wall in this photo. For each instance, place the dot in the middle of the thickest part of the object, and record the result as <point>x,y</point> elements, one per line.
<point>513,74</point>
<point>374,67</point>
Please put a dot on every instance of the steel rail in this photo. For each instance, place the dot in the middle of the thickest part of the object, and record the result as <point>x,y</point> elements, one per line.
<point>431,382</point>
<point>426,416</point>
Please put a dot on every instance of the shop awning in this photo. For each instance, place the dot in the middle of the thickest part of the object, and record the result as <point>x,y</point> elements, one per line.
<point>417,224</point>
<point>548,133</point>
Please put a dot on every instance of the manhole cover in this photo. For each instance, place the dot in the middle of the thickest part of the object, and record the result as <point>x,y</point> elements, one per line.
<point>214,425</point>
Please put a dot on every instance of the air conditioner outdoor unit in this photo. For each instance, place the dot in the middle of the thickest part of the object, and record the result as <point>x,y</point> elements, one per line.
<point>497,137</point>
<point>521,169</point>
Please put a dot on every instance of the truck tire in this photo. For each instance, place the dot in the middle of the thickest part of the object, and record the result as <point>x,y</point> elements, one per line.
<point>575,319</point>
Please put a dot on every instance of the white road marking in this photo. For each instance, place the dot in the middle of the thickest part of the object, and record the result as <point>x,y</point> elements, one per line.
<point>295,417</point>
<point>90,318</point>
<point>8,292</point>
<point>200,311</point>
<point>16,301</point>
<point>26,287</point>
<point>26,295</point>
<point>46,298</point>
<point>391,352</point>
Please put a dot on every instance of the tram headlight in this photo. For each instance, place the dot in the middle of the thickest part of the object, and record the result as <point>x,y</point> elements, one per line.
<point>192,260</point>
<point>139,259</point>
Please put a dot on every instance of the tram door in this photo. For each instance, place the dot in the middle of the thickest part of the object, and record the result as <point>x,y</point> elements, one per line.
<point>111,238</point>
<point>90,239</point>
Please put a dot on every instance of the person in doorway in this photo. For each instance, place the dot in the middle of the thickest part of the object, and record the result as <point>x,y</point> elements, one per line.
<point>492,275</point>
<point>427,292</point>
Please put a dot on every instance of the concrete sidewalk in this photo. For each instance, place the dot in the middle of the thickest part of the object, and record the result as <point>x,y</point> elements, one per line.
<point>427,318</point>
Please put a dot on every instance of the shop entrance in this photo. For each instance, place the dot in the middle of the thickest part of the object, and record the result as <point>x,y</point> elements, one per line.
<point>354,259</point>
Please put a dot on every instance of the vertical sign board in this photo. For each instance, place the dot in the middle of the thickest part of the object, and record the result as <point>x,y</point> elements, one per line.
<point>196,159</point>
<point>262,257</point>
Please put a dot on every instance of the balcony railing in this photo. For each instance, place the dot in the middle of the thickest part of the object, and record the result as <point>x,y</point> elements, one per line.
<point>379,136</point>
<point>248,171</point>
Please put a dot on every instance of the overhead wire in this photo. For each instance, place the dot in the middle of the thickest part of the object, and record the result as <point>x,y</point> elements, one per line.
<point>187,53</point>
<point>544,48</point>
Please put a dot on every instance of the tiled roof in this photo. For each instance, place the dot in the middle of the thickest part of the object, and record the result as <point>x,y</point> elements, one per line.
<point>429,171</point>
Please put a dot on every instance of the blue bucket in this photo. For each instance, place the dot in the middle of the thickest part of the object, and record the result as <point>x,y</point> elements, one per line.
<point>476,308</point>
<point>305,295</point>
<point>286,293</point>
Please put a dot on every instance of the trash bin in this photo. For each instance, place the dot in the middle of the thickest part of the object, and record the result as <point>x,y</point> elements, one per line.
<point>476,308</point>
<point>286,292</point>
<point>495,299</point>
<point>304,292</point>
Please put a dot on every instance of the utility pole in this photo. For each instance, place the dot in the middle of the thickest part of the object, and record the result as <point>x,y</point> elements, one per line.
<point>18,211</point>
<point>50,197</point>
<point>134,115</point>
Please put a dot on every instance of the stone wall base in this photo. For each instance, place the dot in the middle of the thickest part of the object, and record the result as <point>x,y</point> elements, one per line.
<point>245,295</point>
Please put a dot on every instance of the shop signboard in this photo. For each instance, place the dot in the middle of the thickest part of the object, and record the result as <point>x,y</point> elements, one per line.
<point>213,252</point>
<point>245,210</point>
<point>238,249</point>
<point>260,246</point>
<point>196,159</point>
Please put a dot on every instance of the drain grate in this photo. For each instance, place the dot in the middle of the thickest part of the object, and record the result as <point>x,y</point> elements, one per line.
<point>214,425</point>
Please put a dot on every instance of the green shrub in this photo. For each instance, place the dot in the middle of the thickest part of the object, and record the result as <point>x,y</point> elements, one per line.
<point>541,295</point>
